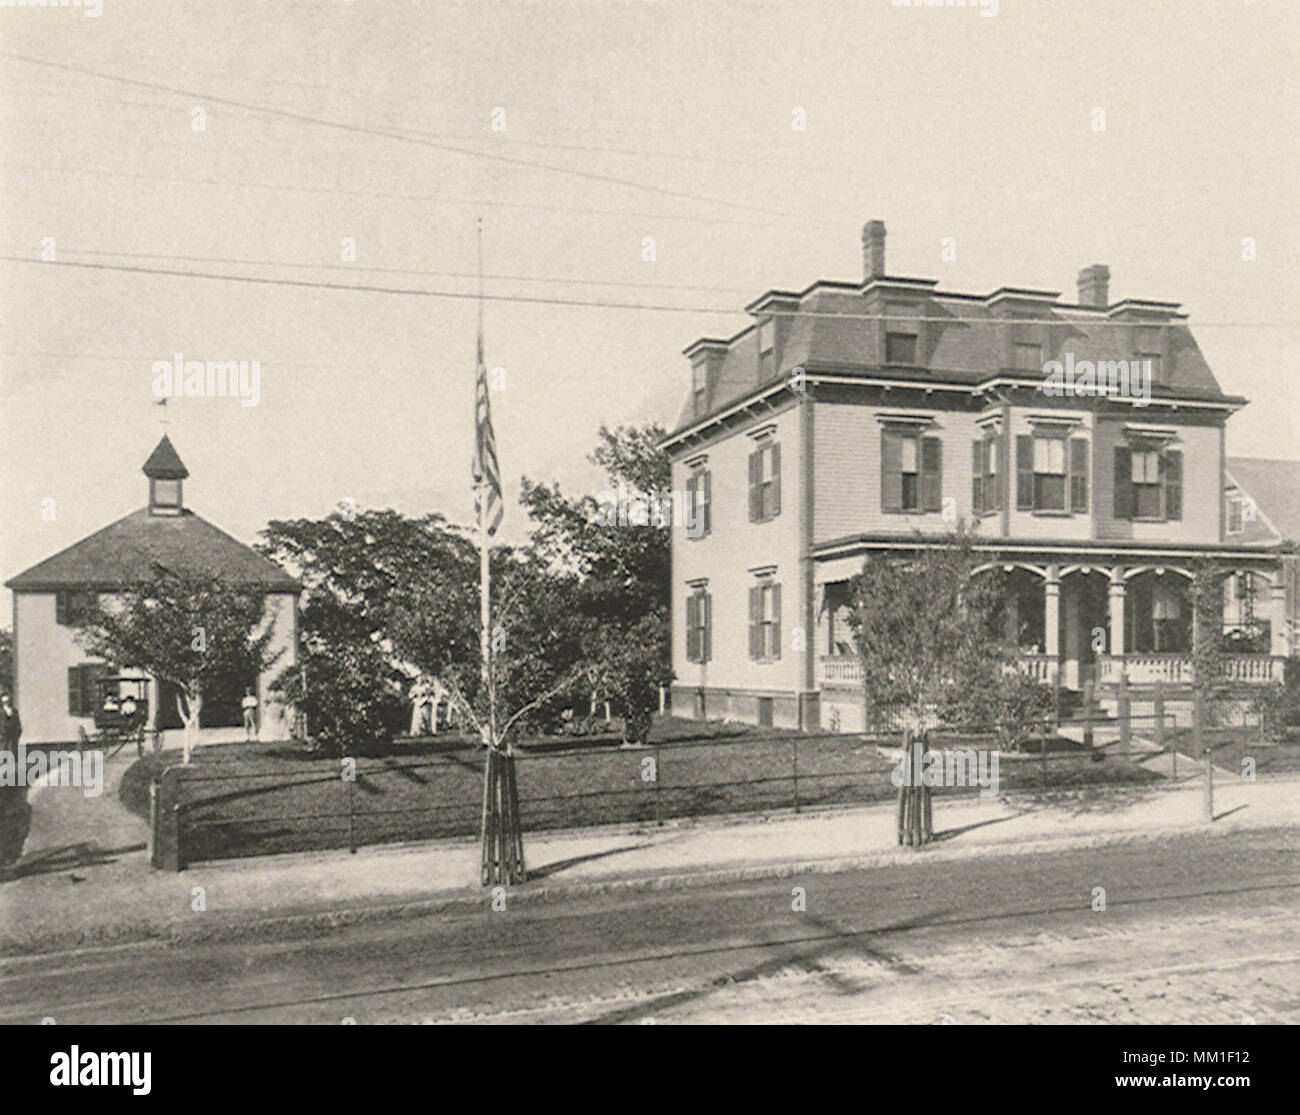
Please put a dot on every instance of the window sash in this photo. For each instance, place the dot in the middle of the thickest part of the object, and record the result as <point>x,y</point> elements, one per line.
<point>1049,456</point>
<point>1146,466</point>
<point>1146,501</point>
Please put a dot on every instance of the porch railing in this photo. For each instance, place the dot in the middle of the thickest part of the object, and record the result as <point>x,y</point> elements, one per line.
<point>1176,669</point>
<point>1037,666</point>
<point>840,669</point>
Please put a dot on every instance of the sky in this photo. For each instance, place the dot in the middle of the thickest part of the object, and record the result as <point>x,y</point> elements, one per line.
<point>580,132</point>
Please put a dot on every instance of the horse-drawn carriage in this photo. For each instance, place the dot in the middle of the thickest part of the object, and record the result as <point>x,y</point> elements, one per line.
<point>121,712</point>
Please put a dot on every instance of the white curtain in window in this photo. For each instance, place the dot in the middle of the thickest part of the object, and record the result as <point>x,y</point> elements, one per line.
<point>1049,456</point>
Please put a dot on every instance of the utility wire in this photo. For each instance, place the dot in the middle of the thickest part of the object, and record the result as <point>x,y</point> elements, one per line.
<point>401,135</point>
<point>473,203</point>
<point>601,304</point>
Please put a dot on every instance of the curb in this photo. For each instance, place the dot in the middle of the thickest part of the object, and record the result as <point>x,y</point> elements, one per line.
<point>315,922</point>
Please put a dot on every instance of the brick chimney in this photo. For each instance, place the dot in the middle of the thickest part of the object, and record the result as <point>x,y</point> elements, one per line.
<point>1094,286</point>
<point>873,250</point>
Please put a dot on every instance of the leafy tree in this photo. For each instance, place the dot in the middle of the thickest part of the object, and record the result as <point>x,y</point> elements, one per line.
<point>189,628</point>
<point>616,575</point>
<point>926,629</point>
<point>383,594</point>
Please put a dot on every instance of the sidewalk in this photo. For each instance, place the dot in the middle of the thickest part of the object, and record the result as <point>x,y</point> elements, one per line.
<point>109,893</point>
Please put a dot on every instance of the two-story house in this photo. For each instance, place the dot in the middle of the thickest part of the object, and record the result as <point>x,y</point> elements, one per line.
<point>858,417</point>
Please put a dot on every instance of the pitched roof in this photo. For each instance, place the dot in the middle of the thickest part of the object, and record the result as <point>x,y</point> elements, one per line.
<point>1274,485</point>
<point>125,551</point>
<point>165,463</point>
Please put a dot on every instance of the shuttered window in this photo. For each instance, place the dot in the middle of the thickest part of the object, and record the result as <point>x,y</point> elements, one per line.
<point>1148,483</point>
<point>1024,472</point>
<point>699,609</point>
<point>911,472</point>
<point>83,688</point>
<point>986,491</point>
<point>71,609</point>
<point>765,621</point>
<point>1146,477</point>
<point>765,482</point>
<point>1173,484</point>
<point>1079,475</point>
<point>699,514</point>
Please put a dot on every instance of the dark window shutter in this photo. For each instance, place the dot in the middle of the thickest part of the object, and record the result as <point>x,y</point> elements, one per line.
<point>775,649</point>
<point>61,608</point>
<point>707,479</point>
<point>977,476</point>
<point>891,472</point>
<point>753,487</point>
<point>753,620</point>
<point>1024,472</point>
<point>74,690</point>
<point>692,603</point>
<point>776,481</point>
<point>706,651</point>
<point>931,474</point>
<point>1123,482</point>
<point>1173,461</point>
<point>1079,475</point>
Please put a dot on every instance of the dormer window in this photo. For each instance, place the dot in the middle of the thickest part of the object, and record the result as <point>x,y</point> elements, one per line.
<point>700,387</point>
<point>766,350</point>
<point>1028,356</point>
<point>901,332</point>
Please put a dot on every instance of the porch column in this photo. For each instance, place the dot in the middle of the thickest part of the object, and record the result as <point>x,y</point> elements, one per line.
<point>1052,620</point>
<point>1117,593</point>
<point>1279,636</point>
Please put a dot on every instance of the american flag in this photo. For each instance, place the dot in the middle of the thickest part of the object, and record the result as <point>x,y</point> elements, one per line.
<point>485,452</point>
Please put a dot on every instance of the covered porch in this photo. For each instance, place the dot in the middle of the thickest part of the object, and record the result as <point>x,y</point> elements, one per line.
<point>1074,622</point>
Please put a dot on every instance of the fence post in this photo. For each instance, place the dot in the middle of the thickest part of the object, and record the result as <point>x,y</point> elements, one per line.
<point>918,744</point>
<point>153,822</point>
<point>1198,734</point>
<point>1160,723</point>
<point>1087,714</point>
<point>795,742</point>
<point>165,821</point>
<point>352,789</point>
<point>902,789</point>
<point>1125,722</point>
<point>927,817</point>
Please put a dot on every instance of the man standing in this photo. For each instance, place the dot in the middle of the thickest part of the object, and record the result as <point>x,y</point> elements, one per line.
<point>12,726</point>
<point>249,705</point>
<point>15,813</point>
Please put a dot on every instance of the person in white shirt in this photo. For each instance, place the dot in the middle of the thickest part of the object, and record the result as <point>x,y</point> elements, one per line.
<point>249,705</point>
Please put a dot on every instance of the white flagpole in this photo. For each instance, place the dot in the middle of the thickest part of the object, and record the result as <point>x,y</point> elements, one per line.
<point>485,573</point>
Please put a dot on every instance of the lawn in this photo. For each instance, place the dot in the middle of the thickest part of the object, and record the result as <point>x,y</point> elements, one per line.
<point>255,799</point>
